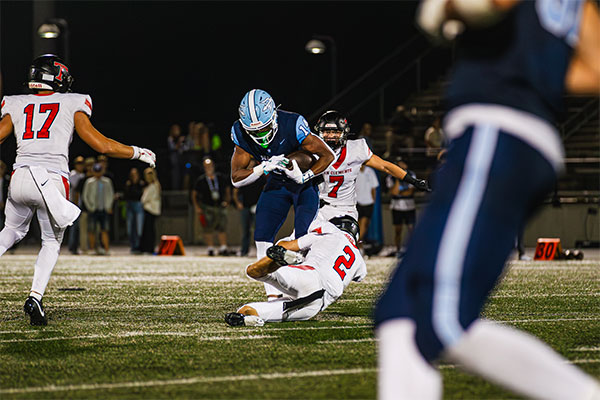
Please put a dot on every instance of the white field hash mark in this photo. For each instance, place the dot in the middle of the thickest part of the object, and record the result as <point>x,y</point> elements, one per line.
<point>135,334</point>
<point>190,381</point>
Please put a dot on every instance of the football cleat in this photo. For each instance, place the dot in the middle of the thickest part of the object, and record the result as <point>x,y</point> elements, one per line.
<point>238,319</point>
<point>34,308</point>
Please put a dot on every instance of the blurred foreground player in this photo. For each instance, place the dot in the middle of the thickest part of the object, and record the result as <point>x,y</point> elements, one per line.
<point>43,124</point>
<point>515,62</point>
<point>332,261</point>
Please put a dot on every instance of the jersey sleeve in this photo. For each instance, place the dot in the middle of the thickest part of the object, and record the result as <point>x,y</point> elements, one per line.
<point>302,129</point>
<point>234,138</point>
<point>5,106</point>
<point>83,104</point>
<point>306,241</point>
<point>363,151</point>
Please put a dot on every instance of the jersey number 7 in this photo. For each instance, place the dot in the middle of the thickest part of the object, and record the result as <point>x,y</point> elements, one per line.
<point>347,263</point>
<point>43,133</point>
<point>338,181</point>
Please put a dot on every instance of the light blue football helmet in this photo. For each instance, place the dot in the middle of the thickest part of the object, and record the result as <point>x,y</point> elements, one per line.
<point>258,116</point>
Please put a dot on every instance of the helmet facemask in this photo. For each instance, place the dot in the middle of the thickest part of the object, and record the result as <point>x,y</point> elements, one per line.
<point>333,137</point>
<point>266,134</point>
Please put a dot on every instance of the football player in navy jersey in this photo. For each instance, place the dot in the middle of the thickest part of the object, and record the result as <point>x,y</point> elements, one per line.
<point>263,135</point>
<point>515,60</point>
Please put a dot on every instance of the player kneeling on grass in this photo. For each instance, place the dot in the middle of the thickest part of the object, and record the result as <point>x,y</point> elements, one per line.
<point>310,283</point>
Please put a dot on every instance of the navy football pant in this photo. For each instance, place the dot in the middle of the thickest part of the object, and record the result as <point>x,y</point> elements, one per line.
<point>490,184</point>
<point>273,207</point>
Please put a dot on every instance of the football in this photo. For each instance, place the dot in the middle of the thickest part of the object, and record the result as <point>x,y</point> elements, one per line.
<point>304,159</point>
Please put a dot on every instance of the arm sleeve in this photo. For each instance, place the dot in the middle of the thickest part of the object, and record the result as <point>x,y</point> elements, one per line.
<point>302,129</point>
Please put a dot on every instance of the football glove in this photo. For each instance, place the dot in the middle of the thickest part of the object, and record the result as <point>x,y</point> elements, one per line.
<point>145,155</point>
<point>420,184</point>
<point>283,256</point>
<point>275,162</point>
<point>296,174</point>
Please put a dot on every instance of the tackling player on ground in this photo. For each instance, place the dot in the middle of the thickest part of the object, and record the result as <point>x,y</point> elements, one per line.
<point>338,190</point>
<point>43,124</point>
<point>310,283</point>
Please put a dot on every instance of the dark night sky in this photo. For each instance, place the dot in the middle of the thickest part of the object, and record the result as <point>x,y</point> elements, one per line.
<point>148,64</point>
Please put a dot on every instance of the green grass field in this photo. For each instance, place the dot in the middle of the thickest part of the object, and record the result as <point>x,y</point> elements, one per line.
<point>152,327</point>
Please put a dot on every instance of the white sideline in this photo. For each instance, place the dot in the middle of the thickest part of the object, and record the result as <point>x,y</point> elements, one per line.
<point>190,381</point>
<point>347,341</point>
<point>133,334</point>
<point>523,321</point>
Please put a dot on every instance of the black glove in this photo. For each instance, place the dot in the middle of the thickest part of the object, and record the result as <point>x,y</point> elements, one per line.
<point>420,184</point>
<point>282,256</point>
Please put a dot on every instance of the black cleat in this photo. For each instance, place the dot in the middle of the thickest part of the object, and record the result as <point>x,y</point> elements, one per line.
<point>34,308</point>
<point>234,319</point>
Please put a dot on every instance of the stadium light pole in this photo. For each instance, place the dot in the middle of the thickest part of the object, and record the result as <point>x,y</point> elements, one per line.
<point>316,46</point>
<point>55,28</point>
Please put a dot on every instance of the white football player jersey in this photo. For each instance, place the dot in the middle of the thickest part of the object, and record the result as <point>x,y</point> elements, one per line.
<point>339,185</point>
<point>43,126</point>
<point>334,254</point>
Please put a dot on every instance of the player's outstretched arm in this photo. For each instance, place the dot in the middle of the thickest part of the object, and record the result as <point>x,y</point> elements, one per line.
<point>6,127</point>
<point>110,147</point>
<point>390,168</point>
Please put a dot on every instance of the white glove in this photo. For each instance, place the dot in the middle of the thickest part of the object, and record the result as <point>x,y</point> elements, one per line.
<point>145,155</point>
<point>292,258</point>
<point>276,162</point>
<point>296,174</point>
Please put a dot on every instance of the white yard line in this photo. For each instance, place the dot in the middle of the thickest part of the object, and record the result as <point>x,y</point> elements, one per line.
<point>527,296</point>
<point>347,341</point>
<point>525,321</point>
<point>134,334</point>
<point>586,349</point>
<point>191,381</point>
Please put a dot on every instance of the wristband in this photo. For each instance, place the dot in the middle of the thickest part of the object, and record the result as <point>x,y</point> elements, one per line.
<point>409,179</point>
<point>136,153</point>
<point>307,176</point>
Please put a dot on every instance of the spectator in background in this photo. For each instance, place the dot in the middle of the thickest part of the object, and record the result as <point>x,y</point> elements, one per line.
<point>176,147</point>
<point>366,189</point>
<point>434,138</point>
<point>98,196</point>
<point>134,187</point>
<point>151,201</point>
<point>4,181</point>
<point>245,199</point>
<point>402,205</point>
<point>211,196</point>
<point>401,125</point>
<point>103,160</point>
<point>76,175</point>
<point>88,164</point>
<point>365,133</point>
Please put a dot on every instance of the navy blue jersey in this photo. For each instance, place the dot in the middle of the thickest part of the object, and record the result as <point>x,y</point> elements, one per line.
<point>522,61</point>
<point>292,130</point>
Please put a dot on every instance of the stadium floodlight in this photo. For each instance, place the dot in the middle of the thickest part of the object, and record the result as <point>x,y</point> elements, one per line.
<point>317,46</point>
<point>56,28</point>
<point>48,31</point>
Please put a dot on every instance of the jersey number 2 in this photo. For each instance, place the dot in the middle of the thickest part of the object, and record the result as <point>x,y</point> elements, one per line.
<point>341,260</point>
<point>43,133</point>
<point>338,181</point>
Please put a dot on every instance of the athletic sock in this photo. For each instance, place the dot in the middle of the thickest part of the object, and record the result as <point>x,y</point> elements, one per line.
<point>35,295</point>
<point>520,362</point>
<point>403,372</point>
<point>43,267</point>
<point>261,249</point>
